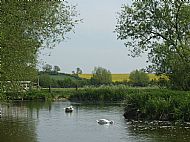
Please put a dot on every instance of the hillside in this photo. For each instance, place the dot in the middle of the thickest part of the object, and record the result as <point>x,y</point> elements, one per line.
<point>62,76</point>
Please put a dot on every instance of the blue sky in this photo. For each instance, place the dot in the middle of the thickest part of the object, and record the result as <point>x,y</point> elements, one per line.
<point>94,43</point>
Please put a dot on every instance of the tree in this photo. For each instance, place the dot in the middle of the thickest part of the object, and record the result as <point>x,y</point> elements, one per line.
<point>45,80</point>
<point>56,69</point>
<point>73,72</point>
<point>139,78</point>
<point>27,26</point>
<point>47,68</point>
<point>162,28</point>
<point>101,76</point>
<point>67,83</point>
<point>79,71</point>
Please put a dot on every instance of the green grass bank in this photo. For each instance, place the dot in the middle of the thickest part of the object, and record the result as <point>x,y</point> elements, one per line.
<point>139,103</point>
<point>157,104</point>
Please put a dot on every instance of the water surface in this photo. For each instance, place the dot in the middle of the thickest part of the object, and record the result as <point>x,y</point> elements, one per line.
<point>47,122</point>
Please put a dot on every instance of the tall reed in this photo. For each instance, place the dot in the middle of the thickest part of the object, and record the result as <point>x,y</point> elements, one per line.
<point>102,93</point>
<point>158,104</point>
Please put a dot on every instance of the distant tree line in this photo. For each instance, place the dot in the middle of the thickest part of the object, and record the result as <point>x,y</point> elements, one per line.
<point>47,68</point>
<point>70,80</point>
<point>100,76</point>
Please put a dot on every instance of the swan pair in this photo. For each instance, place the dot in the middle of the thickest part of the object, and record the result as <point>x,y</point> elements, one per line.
<point>104,121</point>
<point>100,121</point>
<point>69,109</point>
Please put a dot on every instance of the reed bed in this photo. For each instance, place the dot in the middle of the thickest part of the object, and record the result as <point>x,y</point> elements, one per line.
<point>102,93</point>
<point>157,104</point>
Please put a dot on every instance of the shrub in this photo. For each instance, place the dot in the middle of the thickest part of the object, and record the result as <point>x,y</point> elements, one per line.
<point>139,78</point>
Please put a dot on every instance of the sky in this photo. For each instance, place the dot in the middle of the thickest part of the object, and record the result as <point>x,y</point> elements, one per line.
<point>94,43</point>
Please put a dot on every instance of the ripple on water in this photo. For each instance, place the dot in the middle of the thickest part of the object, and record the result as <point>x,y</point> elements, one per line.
<point>47,122</point>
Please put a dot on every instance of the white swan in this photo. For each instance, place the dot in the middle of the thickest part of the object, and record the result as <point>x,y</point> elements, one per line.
<point>69,109</point>
<point>104,121</point>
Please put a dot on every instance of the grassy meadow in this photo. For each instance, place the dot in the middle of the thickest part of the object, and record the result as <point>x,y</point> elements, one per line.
<point>119,77</point>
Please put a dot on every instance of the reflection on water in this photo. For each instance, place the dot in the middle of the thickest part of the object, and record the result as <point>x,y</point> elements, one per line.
<point>161,132</point>
<point>17,124</point>
<point>47,122</point>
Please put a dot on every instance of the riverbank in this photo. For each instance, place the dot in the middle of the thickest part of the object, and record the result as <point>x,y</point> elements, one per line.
<point>139,103</point>
<point>158,104</point>
<point>43,95</point>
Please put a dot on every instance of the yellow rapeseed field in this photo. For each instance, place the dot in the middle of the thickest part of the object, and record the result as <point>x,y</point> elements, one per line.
<point>119,77</point>
<point>87,76</point>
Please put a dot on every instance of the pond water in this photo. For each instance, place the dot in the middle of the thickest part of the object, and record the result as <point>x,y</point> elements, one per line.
<point>48,122</point>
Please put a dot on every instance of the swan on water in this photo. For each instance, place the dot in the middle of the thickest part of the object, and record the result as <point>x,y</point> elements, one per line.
<point>69,109</point>
<point>104,121</point>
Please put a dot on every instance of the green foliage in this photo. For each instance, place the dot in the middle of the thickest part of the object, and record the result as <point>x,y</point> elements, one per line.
<point>45,80</point>
<point>61,80</point>
<point>32,95</point>
<point>36,95</point>
<point>139,78</point>
<point>101,76</point>
<point>56,69</point>
<point>77,73</point>
<point>157,104</point>
<point>26,26</point>
<point>102,93</point>
<point>162,29</point>
<point>67,83</point>
<point>163,83</point>
<point>47,68</point>
<point>61,76</point>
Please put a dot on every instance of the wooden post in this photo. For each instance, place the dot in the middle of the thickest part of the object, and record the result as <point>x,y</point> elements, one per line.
<point>49,88</point>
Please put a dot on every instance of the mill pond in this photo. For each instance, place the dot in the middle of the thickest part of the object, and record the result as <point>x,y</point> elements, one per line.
<point>48,122</point>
